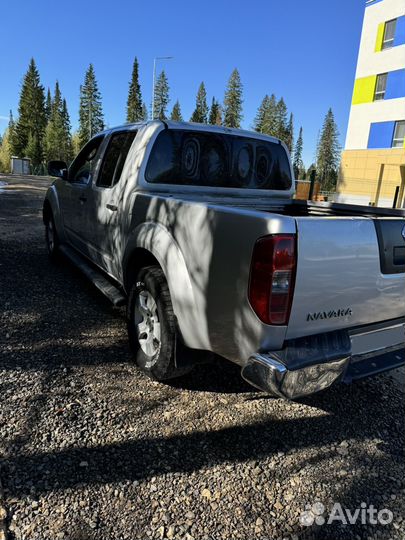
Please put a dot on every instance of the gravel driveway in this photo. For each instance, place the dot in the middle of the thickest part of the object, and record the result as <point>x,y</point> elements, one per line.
<point>92,449</point>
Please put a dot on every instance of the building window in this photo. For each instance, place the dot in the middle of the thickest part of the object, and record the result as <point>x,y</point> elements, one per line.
<point>389,34</point>
<point>399,135</point>
<point>380,86</point>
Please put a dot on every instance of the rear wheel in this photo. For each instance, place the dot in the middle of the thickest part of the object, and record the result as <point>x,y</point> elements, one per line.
<point>152,325</point>
<point>51,237</point>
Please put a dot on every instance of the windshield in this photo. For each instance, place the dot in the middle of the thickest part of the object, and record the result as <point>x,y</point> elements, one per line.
<point>201,158</point>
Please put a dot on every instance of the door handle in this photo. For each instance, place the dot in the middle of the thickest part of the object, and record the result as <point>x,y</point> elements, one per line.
<point>82,198</point>
<point>112,207</point>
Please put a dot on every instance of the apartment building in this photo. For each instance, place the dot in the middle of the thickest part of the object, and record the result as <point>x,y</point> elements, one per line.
<point>373,161</point>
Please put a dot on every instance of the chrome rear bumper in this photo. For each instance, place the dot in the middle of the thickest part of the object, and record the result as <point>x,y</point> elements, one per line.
<point>308,365</point>
<point>270,375</point>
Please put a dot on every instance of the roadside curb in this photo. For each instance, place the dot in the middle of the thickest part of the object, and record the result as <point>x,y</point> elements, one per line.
<point>3,515</point>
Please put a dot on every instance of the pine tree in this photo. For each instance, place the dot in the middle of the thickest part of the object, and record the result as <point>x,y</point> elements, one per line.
<point>200,113</point>
<point>134,102</point>
<point>289,134</point>
<point>91,119</point>
<point>176,113</point>
<point>233,101</point>
<point>328,153</point>
<point>29,129</point>
<point>298,164</point>
<point>161,97</point>
<point>215,116</point>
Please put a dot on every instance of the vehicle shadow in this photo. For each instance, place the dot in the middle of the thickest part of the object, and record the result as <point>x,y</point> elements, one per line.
<point>351,418</point>
<point>213,374</point>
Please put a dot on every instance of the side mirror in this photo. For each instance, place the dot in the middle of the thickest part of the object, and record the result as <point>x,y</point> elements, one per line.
<point>58,169</point>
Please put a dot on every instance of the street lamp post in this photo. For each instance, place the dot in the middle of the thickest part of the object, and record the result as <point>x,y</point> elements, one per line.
<point>154,78</point>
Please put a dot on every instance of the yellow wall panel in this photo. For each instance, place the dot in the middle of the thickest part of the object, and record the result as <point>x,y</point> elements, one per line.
<point>364,89</point>
<point>380,37</point>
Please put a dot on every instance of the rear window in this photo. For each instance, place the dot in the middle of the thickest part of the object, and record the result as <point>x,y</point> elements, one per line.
<point>198,158</point>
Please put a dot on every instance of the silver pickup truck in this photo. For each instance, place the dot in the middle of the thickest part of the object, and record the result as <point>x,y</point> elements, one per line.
<point>195,228</point>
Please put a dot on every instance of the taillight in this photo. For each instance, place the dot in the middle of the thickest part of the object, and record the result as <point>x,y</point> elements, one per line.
<point>272,276</point>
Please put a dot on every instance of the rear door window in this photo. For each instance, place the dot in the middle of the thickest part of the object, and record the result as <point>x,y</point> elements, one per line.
<point>82,168</point>
<point>200,158</point>
<point>114,158</point>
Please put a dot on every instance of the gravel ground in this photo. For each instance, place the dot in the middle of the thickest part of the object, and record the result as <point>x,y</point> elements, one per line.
<point>91,449</point>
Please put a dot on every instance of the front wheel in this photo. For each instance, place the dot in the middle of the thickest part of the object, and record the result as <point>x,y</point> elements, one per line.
<point>152,325</point>
<point>51,238</point>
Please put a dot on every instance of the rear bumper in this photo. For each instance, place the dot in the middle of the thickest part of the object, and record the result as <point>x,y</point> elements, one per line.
<point>311,364</point>
<point>366,365</point>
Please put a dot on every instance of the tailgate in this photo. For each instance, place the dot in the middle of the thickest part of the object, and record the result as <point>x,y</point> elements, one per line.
<point>350,272</point>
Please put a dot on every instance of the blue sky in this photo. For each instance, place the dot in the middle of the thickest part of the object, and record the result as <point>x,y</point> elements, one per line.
<point>305,51</point>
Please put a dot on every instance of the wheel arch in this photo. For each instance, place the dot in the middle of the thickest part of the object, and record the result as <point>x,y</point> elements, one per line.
<point>152,244</point>
<point>51,207</point>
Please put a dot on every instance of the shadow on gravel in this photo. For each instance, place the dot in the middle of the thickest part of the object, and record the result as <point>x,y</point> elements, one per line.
<point>352,417</point>
<point>217,375</point>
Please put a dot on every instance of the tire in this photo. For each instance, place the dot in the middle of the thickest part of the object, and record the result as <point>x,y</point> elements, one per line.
<point>152,328</point>
<point>51,238</point>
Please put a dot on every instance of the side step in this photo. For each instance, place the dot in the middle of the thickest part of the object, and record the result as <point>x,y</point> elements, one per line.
<point>109,290</point>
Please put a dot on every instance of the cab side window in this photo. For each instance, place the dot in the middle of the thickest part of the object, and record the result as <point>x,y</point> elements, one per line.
<point>82,168</point>
<point>114,158</point>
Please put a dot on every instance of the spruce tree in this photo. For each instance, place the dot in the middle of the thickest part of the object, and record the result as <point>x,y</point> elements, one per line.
<point>5,147</point>
<point>215,116</point>
<point>134,101</point>
<point>289,134</point>
<point>48,105</point>
<point>233,101</point>
<point>91,119</point>
<point>5,153</point>
<point>298,164</point>
<point>57,140</point>
<point>266,117</point>
<point>200,113</point>
<point>281,120</point>
<point>176,113</point>
<point>258,122</point>
<point>11,124</point>
<point>67,136</point>
<point>328,153</point>
<point>76,143</point>
<point>144,112</point>
<point>161,97</point>
<point>29,129</point>
<point>270,117</point>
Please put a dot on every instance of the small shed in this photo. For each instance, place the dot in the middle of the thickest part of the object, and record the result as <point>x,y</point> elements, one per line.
<point>20,165</point>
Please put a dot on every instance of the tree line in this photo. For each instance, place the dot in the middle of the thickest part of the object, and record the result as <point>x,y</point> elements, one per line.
<point>42,130</point>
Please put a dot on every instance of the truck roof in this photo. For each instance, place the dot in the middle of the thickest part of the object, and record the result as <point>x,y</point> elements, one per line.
<point>171,124</point>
